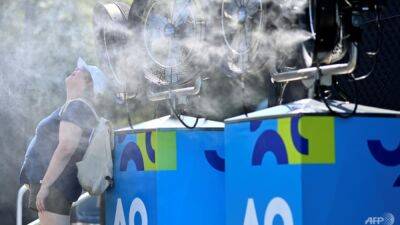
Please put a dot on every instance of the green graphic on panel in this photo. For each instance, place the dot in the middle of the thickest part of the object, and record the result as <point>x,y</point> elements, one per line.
<point>158,149</point>
<point>309,139</point>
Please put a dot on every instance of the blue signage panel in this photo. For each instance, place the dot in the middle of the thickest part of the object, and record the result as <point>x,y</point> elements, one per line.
<point>168,178</point>
<point>313,170</point>
<point>254,179</point>
<point>130,184</point>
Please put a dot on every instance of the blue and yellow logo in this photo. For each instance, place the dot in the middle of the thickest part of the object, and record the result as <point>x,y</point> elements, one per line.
<point>297,140</point>
<point>152,151</point>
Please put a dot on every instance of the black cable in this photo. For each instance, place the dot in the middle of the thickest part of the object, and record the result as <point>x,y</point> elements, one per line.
<point>342,93</point>
<point>280,98</point>
<point>244,106</point>
<point>179,116</point>
<point>366,75</point>
<point>127,110</point>
<point>325,99</point>
<point>374,54</point>
<point>155,115</point>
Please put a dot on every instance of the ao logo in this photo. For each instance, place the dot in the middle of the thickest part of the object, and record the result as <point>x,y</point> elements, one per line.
<point>276,207</point>
<point>137,206</point>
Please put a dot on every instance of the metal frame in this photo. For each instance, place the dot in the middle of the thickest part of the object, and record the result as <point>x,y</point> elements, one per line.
<point>312,72</point>
<point>159,96</point>
<point>22,190</point>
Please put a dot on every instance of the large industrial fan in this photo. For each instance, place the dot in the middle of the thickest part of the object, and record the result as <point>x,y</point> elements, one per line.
<point>170,33</point>
<point>242,27</point>
<point>250,30</point>
<point>336,32</point>
<point>171,30</point>
<point>112,35</point>
<point>333,28</point>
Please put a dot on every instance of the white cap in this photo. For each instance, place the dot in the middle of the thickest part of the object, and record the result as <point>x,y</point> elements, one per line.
<point>99,79</point>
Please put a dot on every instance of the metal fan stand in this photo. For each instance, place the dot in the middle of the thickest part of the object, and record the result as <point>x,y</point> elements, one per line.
<point>169,23</point>
<point>237,21</point>
<point>322,73</point>
<point>167,26</point>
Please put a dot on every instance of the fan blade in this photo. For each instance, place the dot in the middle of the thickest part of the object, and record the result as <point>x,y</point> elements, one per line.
<point>238,3</point>
<point>186,29</point>
<point>156,49</point>
<point>186,33</point>
<point>238,63</point>
<point>182,15</point>
<point>170,38</point>
<point>230,22</point>
<point>253,6</point>
<point>230,10</point>
<point>248,30</point>
<point>155,27</point>
<point>157,22</point>
<point>234,66</point>
<point>174,58</point>
<point>240,41</point>
<point>244,61</point>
